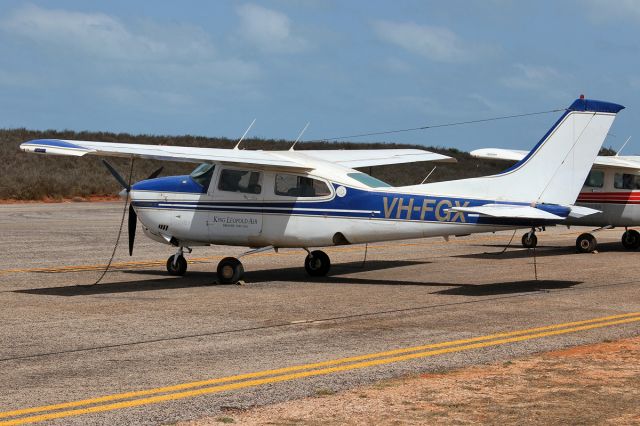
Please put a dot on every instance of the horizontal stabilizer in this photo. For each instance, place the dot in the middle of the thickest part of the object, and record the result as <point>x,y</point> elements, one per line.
<point>510,211</point>
<point>580,211</point>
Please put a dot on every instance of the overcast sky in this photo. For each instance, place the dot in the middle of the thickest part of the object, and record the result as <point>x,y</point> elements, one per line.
<point>209,67</point>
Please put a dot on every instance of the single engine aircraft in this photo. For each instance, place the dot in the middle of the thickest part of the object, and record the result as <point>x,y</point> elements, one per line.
<point>612,187</point>
<point>308,199</point>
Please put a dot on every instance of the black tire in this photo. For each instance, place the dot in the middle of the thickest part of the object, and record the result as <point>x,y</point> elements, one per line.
<point>230,270</point>
<point>586,243</point>
<point>529,241</point>
<point>631,239</point>
<point>180,266</point>
<point>317,263</point>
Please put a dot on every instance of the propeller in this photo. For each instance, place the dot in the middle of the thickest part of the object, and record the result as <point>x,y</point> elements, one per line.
<point>133,216</point>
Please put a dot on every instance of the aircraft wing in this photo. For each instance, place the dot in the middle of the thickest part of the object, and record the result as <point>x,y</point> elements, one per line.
<point>375,157</point>
<point>631,162</point>
<point>289,159</point>
<point>508,211</point>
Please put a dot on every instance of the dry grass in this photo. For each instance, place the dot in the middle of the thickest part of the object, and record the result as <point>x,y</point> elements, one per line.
<point>32,177</point>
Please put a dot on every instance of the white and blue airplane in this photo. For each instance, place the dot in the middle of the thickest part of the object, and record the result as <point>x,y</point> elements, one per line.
<point>310,199</point>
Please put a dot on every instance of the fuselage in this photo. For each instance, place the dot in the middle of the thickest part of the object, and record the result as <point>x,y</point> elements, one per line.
<point>257,208</point>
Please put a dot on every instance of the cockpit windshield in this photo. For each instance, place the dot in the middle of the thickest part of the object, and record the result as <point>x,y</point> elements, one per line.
<point>202,174</point>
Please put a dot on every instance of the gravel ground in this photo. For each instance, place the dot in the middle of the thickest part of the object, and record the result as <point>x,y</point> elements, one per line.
<point>591,384</point>
<point>141,329</point>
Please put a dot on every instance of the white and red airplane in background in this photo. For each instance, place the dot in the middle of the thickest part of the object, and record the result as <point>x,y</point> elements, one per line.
<point>612,187</point>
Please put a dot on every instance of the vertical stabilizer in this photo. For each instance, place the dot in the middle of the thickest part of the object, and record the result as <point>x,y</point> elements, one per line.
<point>554,170</point>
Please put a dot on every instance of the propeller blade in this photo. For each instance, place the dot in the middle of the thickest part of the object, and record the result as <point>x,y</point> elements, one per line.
<point>133,221</point>
<point>156,173</point>
<point>116,175</point>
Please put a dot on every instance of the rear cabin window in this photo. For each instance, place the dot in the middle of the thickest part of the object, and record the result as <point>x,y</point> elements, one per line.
<point>202,174</point>
<point>300,186</point>
<point>368,180</point>
<point>244,181</point>
<point>595,179</point>
<point>626,181</point>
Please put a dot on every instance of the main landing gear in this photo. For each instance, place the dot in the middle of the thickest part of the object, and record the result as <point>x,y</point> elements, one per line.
<point>230,269</point>
<point>586,243</point>
<point>317,263</point>
<point>631,239</point>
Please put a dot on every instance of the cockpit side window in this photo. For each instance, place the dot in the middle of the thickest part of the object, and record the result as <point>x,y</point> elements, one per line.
<point>202,174</point>
<point>300,186</point>
<point>595,179</point>
<point>244,181</point>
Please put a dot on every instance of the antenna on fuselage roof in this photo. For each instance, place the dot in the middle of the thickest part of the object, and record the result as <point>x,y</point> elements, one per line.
<point>623,145</point>
<point>299,136</point>
<point>245,134</point>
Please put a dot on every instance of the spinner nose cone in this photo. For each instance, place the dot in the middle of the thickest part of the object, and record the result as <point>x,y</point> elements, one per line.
<point>123,194</point>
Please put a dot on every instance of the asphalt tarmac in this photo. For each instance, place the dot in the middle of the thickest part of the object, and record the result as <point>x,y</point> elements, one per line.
<point>146,348</point>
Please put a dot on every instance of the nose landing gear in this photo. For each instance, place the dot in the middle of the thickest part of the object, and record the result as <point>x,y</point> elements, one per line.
<point>177,264</point>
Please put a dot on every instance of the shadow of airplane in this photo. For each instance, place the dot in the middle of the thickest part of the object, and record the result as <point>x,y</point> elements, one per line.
<point>298,275</point>
<point>512,287</point>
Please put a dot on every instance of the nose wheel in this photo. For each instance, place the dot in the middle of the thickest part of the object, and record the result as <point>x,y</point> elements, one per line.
<point>177,265</point>
<point>230,270</point>
<point>317,263</point>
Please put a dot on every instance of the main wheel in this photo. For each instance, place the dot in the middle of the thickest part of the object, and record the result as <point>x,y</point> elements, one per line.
<point>586,243</point>
<point>317,263</point>
<point>176,266</point>
<point>631,239</point>
<point>529,240</point>
<point>230,270</point>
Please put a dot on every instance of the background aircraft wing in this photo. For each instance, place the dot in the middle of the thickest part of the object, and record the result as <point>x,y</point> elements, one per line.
<point>631,162</point>
<point>375,157</point>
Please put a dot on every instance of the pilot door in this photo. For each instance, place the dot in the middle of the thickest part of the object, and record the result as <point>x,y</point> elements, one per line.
<point>236,211</point>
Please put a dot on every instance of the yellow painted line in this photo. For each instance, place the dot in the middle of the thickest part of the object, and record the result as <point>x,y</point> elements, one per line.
<point>150,263</point>
<point>384,358</point>
<point>304,374</point>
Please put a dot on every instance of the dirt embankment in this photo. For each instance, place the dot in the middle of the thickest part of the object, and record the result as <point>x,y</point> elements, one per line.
<point>594,384</point>
<point>36,177</point>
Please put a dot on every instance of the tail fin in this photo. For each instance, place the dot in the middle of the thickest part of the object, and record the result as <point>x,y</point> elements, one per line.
<point>554,170</point>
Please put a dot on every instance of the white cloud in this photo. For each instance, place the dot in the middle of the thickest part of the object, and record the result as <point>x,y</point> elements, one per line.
<point>269,30</point>
<point>435,43</point>
<point>105,36</point>
<point>607,9</point>
<point>532,77</point>
<point>144,60</point>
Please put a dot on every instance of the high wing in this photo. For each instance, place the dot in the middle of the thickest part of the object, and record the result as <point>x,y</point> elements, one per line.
<point>289,159</point>
<point>376,157</point>
<point>631,162</point>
